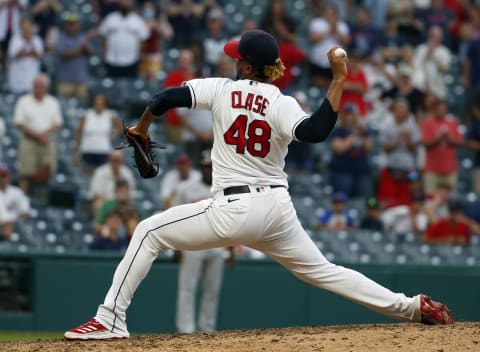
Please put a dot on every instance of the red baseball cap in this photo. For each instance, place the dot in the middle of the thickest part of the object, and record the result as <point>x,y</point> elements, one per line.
<point>256,47</point>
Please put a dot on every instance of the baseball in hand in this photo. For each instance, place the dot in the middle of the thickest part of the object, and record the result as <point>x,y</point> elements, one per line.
<point>339,52</point>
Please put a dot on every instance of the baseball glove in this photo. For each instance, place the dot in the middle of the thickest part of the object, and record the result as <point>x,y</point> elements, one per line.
<point>145,159</point>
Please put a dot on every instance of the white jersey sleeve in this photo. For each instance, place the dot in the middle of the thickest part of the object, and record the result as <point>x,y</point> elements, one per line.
<point>204,91</point>
<point>288,115</point>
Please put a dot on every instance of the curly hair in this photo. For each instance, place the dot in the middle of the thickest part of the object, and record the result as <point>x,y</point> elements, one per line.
<point>270,73</point>
<point>274,72</point>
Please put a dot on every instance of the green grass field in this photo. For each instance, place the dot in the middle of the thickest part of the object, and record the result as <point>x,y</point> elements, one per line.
<point>10,336</point>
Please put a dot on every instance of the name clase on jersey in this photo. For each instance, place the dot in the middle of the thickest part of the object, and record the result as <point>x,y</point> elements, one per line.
<point>251,102</point>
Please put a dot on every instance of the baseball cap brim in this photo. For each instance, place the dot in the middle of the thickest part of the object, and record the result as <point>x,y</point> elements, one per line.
<point>231,49</point>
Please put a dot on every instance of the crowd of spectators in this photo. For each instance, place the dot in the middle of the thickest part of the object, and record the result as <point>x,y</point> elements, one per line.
<point>399,133</point>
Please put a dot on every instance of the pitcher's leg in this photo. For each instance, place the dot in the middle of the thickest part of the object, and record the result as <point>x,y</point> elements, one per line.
<point>211,284</point>
<point>185,227</point>
<point>299,254</point>
<point>188,277</point>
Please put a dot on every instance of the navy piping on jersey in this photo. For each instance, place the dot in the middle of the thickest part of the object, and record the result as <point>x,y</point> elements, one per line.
<point>295,126</point>
<point>140,246</point>
<point>193,94</point>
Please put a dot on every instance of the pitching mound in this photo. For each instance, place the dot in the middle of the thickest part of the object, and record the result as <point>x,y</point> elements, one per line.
<point>460,337</point>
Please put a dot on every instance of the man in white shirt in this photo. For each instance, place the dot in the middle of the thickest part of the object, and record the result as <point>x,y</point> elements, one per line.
<point>14,204</point>
<point>431,62</point>
<point>123,32</point>
<point>39,117</point>
<point>172,179</point>
<point>102,184</point>
<point>24,53</point>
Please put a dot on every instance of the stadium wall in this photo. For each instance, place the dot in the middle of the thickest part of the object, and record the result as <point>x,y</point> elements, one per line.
<point>66,289</point>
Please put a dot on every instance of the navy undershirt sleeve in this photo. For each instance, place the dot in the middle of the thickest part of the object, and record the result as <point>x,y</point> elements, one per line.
<point>170,98</point>
<point>318,126</point>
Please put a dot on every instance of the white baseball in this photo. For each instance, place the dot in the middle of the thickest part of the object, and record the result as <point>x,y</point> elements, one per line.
<point>339,52</point>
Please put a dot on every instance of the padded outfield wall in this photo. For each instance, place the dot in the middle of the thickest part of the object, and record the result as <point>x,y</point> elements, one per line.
<point>63,290</point>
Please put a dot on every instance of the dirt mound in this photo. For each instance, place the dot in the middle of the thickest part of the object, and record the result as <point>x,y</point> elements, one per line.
<point>460,337</point>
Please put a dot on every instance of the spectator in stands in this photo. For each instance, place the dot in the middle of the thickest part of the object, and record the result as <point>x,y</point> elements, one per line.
<point>197,131</point>
<point>403,88</point>
<point>337,218</point>
<point>183,172</point>
<point>277,22</point>
<point>72,52</point>
<point>39,117</point>
<point>113,235</point>
<point>437,207</point>
<point>24,53</point>
<point>123,204</point>
<point>363,33</point>
<point>399,139</point>
<point>372,220</point>
<point>102,184</point>
<point>292,57</point>
<point>431,63</point>
<point>185,17</point>
<point>453,229</point>
<point>10,12</point>
<point>213,40</point>
<point>356,83</point>
<point>391,41</point>
<point>325,31</point>
<point>14,204</point>
<point>441,137</point>
<point>151,61</point>
<point>349,164</point>
<point>225,67</point>
<point>473,143</point>
<point>103,8</point>
<point>378,8</point>
<point>123,32</point>
<point>184,71</point>
<point>45,15</point>
<point>471,71</point>
<point>404,219</point>
<point>437,15</point>
<point>94,134</point>
<point>409,26</point>
<point>300,155</point>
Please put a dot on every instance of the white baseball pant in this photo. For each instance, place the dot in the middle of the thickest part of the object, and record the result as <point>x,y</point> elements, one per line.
<point>207,266</point>
<point>263,219</point>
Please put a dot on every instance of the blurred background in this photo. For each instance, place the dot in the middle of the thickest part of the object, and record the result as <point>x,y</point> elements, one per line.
<point>392,193</point>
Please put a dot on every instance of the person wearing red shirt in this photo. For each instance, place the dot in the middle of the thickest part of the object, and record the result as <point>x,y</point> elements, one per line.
<point>184,71</point>
<point>441,138</point>
<point>291,56</point>
<point>356,84</point>
<point>453,229</point>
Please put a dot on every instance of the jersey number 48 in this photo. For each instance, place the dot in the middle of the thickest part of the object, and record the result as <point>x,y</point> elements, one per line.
<point>255,137</point>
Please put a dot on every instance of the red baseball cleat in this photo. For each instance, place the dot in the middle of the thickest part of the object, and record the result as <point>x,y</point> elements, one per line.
<point>434,313</point>
<point>92,330</point>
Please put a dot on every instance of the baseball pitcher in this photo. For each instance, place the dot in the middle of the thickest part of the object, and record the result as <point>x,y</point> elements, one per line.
<point>253,123</point>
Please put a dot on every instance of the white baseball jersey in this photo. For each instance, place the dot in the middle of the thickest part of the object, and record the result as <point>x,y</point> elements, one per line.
<point>253,123</point>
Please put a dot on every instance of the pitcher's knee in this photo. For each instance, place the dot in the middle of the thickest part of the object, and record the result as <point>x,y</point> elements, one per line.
<point>142,228</point>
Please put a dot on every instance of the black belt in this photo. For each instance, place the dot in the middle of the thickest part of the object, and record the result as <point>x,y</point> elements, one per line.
<point>243,189</point>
